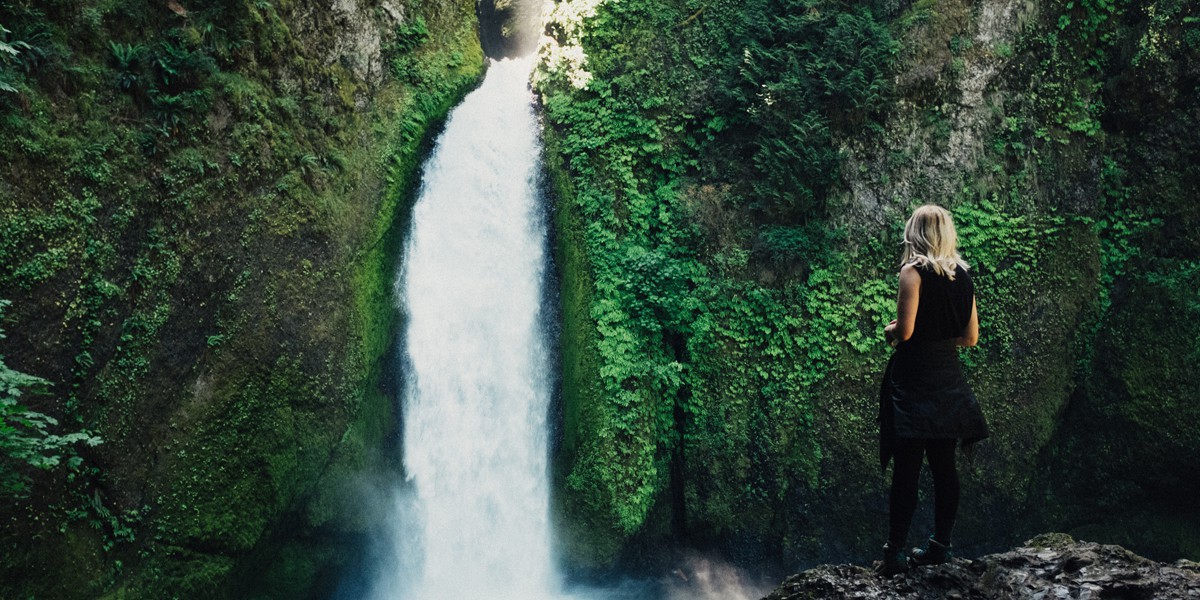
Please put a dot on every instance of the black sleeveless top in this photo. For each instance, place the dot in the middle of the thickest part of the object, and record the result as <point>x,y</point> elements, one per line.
<point>944,307</point>
<point>924,392</point>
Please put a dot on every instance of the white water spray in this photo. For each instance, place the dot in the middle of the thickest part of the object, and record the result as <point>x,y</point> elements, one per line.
<point>474,522</point>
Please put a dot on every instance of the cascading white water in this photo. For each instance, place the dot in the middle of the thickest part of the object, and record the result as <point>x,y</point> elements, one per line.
<point>475,522</point>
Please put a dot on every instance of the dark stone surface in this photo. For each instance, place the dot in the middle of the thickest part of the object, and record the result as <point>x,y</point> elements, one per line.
<point>1048,567</point>
<point>508,28</point>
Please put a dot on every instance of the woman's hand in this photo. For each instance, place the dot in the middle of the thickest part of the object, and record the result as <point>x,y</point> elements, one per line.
<point>889,333</point>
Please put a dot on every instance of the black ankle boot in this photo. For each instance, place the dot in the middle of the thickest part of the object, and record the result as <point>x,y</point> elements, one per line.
<point>934,553</point>
<point>894,563</point>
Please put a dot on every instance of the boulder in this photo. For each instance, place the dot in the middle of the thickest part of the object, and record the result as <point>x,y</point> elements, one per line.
<point>1048,567</point>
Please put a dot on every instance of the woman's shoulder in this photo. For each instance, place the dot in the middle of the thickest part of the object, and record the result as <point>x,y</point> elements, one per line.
<point>912,270</point>
<point>917,267</point>
<point>910,277</point>
<point>926,269</point>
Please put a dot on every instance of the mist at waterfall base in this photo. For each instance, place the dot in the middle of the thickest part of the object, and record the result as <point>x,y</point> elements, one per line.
<point>471,519</point>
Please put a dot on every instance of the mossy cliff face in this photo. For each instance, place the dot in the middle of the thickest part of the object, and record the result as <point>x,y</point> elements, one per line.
<point>509,27</point>
<point>731,199</point>
<point>201,207</point>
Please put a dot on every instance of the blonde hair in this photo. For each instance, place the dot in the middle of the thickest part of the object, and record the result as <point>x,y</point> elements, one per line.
<point>931,241</point>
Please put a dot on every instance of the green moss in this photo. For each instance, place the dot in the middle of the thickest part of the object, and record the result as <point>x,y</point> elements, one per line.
<point>1050,540</point>
<point>1160,533</point>
<point>1136,410</point>
<point>588,540</point>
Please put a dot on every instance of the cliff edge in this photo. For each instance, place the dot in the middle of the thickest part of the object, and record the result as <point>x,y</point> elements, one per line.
<point>1048,566</point>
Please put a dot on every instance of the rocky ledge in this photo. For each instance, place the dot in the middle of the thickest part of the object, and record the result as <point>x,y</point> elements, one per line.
<point>1048,567</point>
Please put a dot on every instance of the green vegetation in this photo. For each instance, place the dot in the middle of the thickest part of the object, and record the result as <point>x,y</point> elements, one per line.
<point>731,196</point>
<point>809,69</point>
<point>692,364</point>
<point>200,211</point>
<point>26,439</point>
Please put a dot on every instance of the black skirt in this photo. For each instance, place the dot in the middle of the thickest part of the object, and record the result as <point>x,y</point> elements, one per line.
<point>925,395</point>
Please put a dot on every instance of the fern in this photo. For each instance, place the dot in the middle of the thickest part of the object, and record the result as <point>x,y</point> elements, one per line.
<point>26,437</point>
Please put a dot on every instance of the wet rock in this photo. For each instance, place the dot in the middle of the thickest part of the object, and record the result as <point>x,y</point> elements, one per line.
<point>1047,567</point>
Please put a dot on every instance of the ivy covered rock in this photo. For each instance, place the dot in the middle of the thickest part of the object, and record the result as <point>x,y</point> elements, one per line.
<point>200,208</point>
<point>733,179</point>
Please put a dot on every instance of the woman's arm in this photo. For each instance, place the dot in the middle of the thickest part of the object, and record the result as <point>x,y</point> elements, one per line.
<point>971,335</point>
<point>906,305</point>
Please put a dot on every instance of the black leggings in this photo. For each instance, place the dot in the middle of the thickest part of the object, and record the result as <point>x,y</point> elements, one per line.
<point>906,473</point>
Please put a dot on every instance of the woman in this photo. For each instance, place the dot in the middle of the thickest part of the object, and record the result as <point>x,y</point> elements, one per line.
<point>926,405</point>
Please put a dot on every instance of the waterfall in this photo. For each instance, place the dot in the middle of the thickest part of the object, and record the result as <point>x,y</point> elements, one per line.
<point>472,521</point>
